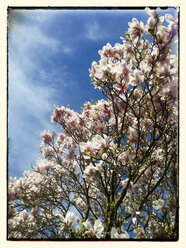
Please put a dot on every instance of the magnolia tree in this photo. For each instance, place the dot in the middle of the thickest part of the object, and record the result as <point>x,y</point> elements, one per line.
<point>111,173</point>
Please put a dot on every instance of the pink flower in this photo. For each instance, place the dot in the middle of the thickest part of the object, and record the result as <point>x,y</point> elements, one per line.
<point>23,215</point>
<point>97,144</point>
<point>106,50</point>
<point>124,157</point>
<point>69,219</point>
<point>57,114</point>
<point>169,18</point>
<point>123,71</point>
<point>95,230</point>
<point>138,77</point>
<point>47,137</point>
<point>158,204</point>
<point>122,87</point>
<point>116,235</point>
<point>90,171</point>
<point>42,166</point>
<point>86,147</point>
<point>139,231</point>
<point>71,153</point>
<point>133,136</point>
<point>152,12</point>
<point>145,67</point>
<point>136,29</point>
<point>125,182</point>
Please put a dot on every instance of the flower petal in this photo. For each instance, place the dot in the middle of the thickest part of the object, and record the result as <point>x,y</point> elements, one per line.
<point>124,235</point>
<point>98,226</point>
<point>87,225</point>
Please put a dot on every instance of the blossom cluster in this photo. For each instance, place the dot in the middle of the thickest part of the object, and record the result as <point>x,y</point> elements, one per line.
<point>111,171</point>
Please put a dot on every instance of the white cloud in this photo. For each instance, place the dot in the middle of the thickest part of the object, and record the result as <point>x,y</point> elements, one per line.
<point>29,97</point>
<point>26,36</point>
<point>42,15</point>
<point>55,77</point>
<point>94,31</point>
<point>30,107</point>
<point>67,49</point>
<point>32,91</point>
<point>30,36</point>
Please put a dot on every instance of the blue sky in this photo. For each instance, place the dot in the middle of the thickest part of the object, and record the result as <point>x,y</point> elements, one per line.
<point>50,52</point>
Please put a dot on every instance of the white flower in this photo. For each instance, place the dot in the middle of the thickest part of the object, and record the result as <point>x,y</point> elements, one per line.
<point>104,156</point>
<point>23,215</point>
<point>116,235</point>
<point>158,204</point>
<point>169,18</point>
<point>124,157</point>
<point>35,189</point>
<point>96,230</point>
<point>139,231</point>
<point>134,220</point>
<point>151,12</point>
<point>69,219</point>
<point>99,142</point>
<point>42,165</point>
<point>132,207</point>
<point>89,171</point>
<point>145,67</point>
<point>83,145</point>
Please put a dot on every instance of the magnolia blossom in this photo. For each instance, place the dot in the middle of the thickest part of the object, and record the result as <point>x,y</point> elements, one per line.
<point>158,204</point>
<point>134,220</point>
<point>80,202</point>
<point>106,51</point>
<point>123,71</point>
<point>85,146</point>
<point>136,29</point>
<point>46,137</point>
<point>139,231</point>
<point>90,171</point>
<point>132,207</point>
<point>69,219</point>
<point>116,235</point>
<point>125,182</point>
<point>23,215</point>
<point>170,19</point>
<point>145,67</point>
<point>124,157</point>
<point>138,77</point>
<point>151,12</point>
<point>98,143</point>
<point>95,230</point>
<point>133,136</point>
<point>42,165</point>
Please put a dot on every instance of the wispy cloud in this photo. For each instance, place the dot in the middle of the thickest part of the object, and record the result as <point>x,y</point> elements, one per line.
<point>26,26</point>
<point>93,30</point>
<point>32,36</point>
<point>67,50</point>
<point>33,89</point>
<point>41,15</point>
<point>30,107</point>
<point>27,96</point>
